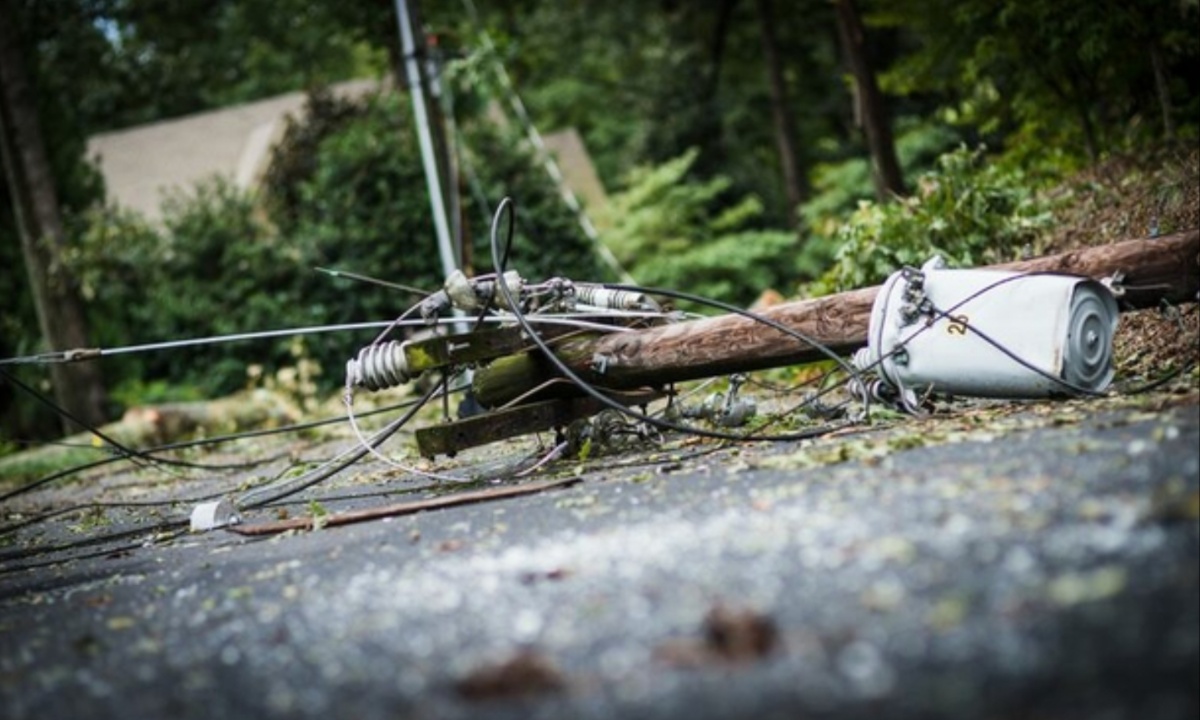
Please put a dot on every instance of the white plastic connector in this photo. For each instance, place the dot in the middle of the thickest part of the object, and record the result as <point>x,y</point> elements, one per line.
<point>213,515</point>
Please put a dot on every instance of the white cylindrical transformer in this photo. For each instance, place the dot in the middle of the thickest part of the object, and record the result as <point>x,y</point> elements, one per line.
<point>991,333</point>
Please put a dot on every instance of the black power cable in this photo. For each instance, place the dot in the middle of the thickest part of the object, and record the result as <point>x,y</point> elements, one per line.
<point>201,442</point>
<point>263,496</point>
<point>133,455</point>
<point>1073,387</point>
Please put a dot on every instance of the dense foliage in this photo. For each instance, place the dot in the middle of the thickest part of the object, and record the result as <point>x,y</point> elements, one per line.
<point>673,231</point>
<point>967,210</point>
<point>673,99</point>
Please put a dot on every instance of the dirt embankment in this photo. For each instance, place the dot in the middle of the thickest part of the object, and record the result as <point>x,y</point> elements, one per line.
<point>1125,197</point>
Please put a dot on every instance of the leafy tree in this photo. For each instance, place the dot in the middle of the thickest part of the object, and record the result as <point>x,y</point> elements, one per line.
<point>795,183</point>
<point>870,107</point>
<point>35,203</point>
<point>614,51</point>
<point>157,60</point>
<point>839,187</point>
<point>669,232</point>
<point>98,64</point>
<point>355,178</point>
<point>1016,69</point>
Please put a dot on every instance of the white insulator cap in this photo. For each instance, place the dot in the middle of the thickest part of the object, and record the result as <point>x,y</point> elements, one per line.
<point>515,284</point>
<point>461,291</point>
<point>379,366</point>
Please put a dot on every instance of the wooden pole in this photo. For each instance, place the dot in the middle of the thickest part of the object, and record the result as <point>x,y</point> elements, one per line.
<point>1154,270</point>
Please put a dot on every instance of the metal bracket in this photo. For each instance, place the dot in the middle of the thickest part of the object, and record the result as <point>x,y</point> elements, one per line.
<point>463,348</point>
<point>476,347</point>
<point>1115,284</point>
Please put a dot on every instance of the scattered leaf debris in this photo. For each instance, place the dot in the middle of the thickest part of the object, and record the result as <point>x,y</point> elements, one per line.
<point>451,545</point>
<point>528,672</point>
<point>738,634</point>
<point>530,578</point>
<point>731,636</point>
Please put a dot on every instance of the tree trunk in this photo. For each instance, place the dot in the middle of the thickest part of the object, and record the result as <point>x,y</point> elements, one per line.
<point>1083,98</point>
<point>870,106</point>
<point>785,133</point>
<point>1155,269</point>
<point>717,54</point>
<point>1162,89</point>
<point>78,389</point>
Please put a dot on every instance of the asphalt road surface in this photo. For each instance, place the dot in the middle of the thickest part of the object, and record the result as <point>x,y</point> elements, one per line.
<point>1037,563</point>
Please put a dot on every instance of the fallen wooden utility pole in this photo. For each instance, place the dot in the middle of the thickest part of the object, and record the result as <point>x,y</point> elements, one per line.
<point>1152,270</point>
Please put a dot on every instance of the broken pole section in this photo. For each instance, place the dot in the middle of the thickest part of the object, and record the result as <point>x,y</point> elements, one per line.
<point>1153,270</point>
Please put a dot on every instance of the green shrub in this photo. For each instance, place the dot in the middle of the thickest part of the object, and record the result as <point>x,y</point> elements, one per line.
<point>839,186</point>
<point>673,231</point>
<point>968,210</point>
<point>212,267</point>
